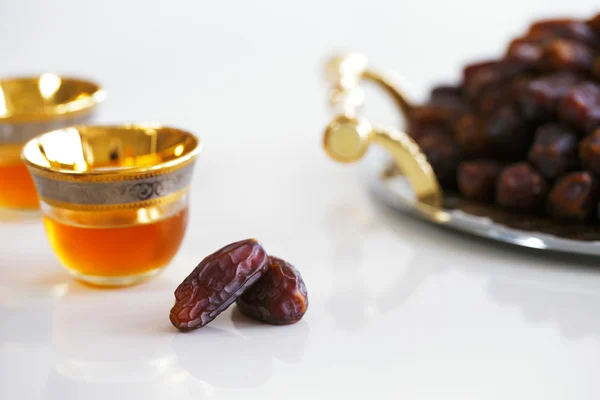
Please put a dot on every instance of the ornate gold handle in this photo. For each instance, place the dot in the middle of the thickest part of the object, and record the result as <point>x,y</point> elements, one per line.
<point>348,136</point>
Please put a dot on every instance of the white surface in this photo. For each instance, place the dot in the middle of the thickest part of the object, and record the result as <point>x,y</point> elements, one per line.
<point>398,309</point>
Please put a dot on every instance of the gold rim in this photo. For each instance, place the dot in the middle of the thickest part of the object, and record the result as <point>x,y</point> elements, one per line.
<point>32,148</point>
<point>34,98</point>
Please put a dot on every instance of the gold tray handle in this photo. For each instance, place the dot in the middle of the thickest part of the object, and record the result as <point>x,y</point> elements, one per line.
<point>348,136</point>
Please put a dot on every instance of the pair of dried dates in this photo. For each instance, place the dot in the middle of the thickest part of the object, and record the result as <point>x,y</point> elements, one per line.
<point>265,288</point>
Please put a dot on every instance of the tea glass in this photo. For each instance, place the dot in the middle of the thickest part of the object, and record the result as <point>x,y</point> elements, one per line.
<point>114,198</point>
<point>30,106</point>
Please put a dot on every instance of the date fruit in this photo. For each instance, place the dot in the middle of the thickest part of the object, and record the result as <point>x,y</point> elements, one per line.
<point>278,298</point>
<point>521,188</point>
<point>508,134</point>
<point>482,76</point>
<point>564,28</point>
<point>443,154</point>
<point>589,152</point>
<point>569,55</point>
<point>574,196</point>
<point>554,150</point>
<point>538,99</point>
<point>216,283</point>
<point>470,134</point>
<point>580,107</point>
<point>477,179</point>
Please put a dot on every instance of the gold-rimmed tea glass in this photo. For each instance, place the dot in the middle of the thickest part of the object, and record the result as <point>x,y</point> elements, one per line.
<point>114,198</point>
<point>30,106</point>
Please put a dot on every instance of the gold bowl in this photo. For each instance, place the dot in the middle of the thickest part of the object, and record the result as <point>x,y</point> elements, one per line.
<point>114,198</point>
<point>30,106</point>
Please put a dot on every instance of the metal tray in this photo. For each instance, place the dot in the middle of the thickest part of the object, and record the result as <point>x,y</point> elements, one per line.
<point>396,192</point>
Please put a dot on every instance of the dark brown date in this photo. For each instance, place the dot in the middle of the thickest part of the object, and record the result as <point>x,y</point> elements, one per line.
<point>507,134</point>
<point>481,76</point>
<point>444,155</point>
<point>538,99</point>
<point>589,152</point>
<point>524,55</point>
<point>477,179</point>
<point>216,283</point>
<point>564,28</point>
<point>470,134</point>
<point>574,196</point>
<point>580,106</point>
<point>521,188</point>
<point>562,55</point>
<point>449,98</point>
<point>554,150</point>
<point>594,23</point>
<point>427,120</point>
<point>278,298</point>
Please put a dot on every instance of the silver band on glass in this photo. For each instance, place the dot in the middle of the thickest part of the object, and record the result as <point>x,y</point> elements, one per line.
<point>128,190</point>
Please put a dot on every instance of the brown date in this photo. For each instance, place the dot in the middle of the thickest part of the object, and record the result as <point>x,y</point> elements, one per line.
<point>589,152</point>
<point>482,76</point>
<point>216,283</point>
<point>427,120</point>
<point>470,134</point>
<point>477,179</point>
<point>524,55</point>
<point>564,54</point>
<point>444,154</point>
<point>554,150</point>
<point>449,98</point>
<point>538,99</point>
<point>278,298</point>
<point>574,196</point>
<point>594,23</point>
<point>521,188</point>
<point>570,29</point>
<point>580,106</point>
<point>507,134</point>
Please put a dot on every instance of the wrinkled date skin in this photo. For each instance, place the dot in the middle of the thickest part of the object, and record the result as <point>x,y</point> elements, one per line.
<point>216,283</point>
<point>278,298</point>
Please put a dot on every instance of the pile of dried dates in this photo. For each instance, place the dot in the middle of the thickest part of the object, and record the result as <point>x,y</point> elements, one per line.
<point>265,288</point>
<point>523,131</point>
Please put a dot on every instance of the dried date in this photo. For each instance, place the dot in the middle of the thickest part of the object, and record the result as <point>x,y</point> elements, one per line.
<point>569,55</point>
<point>477,179</point>
<point>565,28</point>
<point>278,298</point>
<point>580,106</point>
<point>554,150</point>
<point>574,196</point>
<point>589,152</point>
<point>524,55</point>
<point>521,188</point>
<point>470,134</point>
<point>216,283</point>
<point>538,99</point>
<point>443,154</point>
<point>482,76</point>
<point>508,134</point>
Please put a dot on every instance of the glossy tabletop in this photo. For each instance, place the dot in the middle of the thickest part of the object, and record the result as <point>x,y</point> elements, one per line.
<point>398,308</point>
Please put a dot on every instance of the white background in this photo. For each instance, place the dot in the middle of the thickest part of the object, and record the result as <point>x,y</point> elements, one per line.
<point>398,309</point>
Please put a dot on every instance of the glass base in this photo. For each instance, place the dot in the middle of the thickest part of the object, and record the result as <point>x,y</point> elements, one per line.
<point>20,214</point>
<point>114,281</point>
